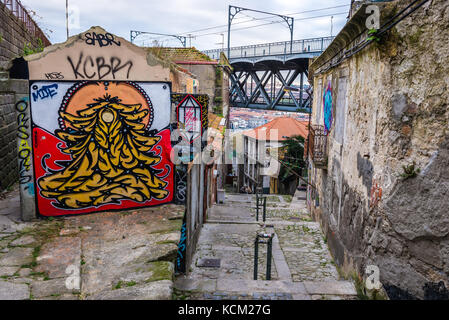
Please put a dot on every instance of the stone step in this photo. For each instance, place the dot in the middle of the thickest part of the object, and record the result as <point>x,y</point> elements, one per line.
<point>242,286</point>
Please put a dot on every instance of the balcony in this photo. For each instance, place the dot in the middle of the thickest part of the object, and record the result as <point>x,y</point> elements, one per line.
<point>317,146</point>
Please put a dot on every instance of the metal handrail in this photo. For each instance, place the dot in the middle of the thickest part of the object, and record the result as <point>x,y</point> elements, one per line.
<point>274,48</point>
<point>19,11</point>
<point>269,242</point>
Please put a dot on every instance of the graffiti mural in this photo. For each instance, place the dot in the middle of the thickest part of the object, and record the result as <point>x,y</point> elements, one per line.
<point>100,145</point>
<point>327,107</point>
<point>180,265</point>
<point>375,193</point>
<point>181,184</point>
<point>191,114</point>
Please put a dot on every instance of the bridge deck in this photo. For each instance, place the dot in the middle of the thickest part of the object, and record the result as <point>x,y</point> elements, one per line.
<point>304,46</point>
<point>260,69</point>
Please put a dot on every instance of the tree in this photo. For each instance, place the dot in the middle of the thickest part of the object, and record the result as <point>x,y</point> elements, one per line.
<point>292,157</point>
<point>111,157</point>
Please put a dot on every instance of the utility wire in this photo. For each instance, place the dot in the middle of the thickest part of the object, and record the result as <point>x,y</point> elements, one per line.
<point>269,23</point>
<point>264,24</point>
<point>265,18</point>
<point>384,28</point>
<point>255,19</point>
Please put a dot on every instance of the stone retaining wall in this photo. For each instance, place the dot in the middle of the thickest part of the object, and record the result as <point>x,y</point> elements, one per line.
<point>383,196</point>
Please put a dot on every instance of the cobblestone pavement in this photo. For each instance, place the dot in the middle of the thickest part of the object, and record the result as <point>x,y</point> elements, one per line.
<point>302,268</point>
<point>108,255</point>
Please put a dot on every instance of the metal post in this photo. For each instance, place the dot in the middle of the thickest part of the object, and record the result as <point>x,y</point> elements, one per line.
<point>67,17</point>
<point>229,32</point>
<point>291,36</point>
<point>264,208</point>
<point>257,207</point>
<point>256,256</point>
<point>269,243</point>
<point>301,90</point>
<point>269,254</point>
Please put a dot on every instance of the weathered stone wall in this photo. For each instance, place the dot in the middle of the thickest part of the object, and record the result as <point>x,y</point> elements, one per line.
<point>13,35</point>
<point>10,89</point>
<point>390,111</point>
<point>8,148</point>
<point>206,75</point>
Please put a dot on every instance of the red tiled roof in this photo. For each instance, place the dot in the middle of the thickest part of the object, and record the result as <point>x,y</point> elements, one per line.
<point>214,121</point>
<point>285,126</point>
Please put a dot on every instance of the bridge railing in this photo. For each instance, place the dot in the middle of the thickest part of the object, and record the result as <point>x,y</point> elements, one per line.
<point>274,48</point>
<point>18,10</point>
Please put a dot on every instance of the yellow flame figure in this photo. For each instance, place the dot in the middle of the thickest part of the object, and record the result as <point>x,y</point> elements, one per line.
<point>111,158</point>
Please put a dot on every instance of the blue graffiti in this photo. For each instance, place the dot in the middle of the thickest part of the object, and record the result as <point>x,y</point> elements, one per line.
<point>327,107</point>
<point>45,92</point>
<point>181,259</point>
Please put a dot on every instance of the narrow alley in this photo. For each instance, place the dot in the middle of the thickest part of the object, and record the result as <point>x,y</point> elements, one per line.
<point>303,157</point>
<point>223,265</point>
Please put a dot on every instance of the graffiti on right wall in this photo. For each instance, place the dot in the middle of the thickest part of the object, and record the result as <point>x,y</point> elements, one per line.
<point>327,107</point>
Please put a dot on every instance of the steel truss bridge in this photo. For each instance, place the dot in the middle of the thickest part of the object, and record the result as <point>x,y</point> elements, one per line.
<point>263,74</point>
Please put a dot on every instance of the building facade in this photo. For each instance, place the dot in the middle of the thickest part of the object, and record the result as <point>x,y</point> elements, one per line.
<point>260,166</point>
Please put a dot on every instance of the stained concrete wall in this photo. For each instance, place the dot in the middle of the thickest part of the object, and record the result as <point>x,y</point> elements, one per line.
<point>389,106</point>
<point>207,77</point>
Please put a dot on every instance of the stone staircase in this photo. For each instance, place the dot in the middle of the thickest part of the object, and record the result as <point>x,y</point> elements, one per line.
<point>302,268</point>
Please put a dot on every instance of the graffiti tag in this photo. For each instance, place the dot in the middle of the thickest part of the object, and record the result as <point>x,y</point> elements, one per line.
<point>45,92</point>
<point>88,67</point>
<point>54,76</point>
<point>181,184</point>
<point>327,107</point>
<point>181,255</point>
<point>24,149</point>
<point>103,40</point>
<point>375,193</point>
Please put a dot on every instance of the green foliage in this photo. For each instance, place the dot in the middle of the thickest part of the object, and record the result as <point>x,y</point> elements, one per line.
<point>293,157</point>
<point>131,283</point>
<point>373,35</point>
<point>218,74</point>
<point>28,48</point>
<point>118,285</point>
<point>410,171</point>
<point>218,110</point>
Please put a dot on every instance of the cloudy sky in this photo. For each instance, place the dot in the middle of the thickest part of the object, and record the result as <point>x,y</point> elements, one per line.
<point>205,20</point>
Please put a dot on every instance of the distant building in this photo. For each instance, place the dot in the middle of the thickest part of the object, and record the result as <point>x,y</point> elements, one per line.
<point>256,168</point>
<point>211,79</point>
